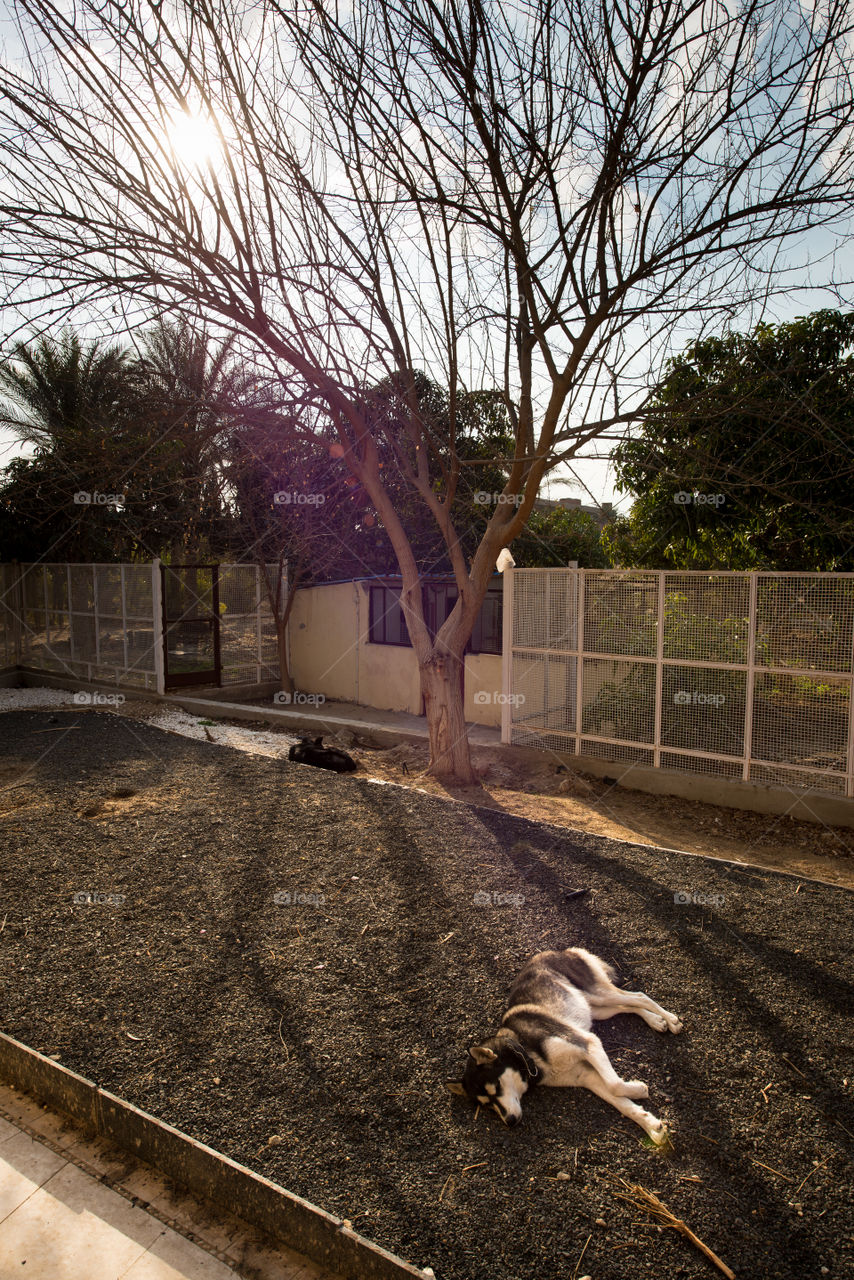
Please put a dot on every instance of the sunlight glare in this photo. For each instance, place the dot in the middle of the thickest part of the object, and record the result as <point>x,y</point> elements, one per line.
<point>193,139</point>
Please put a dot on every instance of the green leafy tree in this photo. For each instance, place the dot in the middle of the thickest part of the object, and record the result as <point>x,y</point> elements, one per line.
<point>745,458</point>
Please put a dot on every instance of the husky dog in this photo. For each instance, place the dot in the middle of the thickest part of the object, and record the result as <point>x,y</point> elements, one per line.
<point>307,752</point>
<point>545,1038</point>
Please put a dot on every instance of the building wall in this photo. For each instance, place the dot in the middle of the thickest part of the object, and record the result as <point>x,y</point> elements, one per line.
<point>330,654</point>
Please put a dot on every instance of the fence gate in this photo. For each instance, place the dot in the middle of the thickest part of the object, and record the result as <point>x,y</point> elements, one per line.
<point>191,649</point>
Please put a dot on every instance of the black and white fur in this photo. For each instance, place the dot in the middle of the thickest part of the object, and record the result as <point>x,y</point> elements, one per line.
<point>307,751</point>
<point>545,1038</point>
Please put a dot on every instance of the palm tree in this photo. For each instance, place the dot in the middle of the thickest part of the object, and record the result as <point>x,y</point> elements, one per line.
<point>193,390</point>
<point>74,403</point>
<point>63,391</point>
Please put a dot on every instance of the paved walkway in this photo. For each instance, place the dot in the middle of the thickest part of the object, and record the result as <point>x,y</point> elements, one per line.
<point>71,1209</point>
<point>329,716</point>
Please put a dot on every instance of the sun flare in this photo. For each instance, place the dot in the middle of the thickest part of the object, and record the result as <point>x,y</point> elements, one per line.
<point>193,139</point>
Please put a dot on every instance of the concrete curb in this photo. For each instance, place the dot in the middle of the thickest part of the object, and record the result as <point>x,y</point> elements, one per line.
<point>200,1170</point>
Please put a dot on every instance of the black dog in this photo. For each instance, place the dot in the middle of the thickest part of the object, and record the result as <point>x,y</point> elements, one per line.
<point>307,752</point>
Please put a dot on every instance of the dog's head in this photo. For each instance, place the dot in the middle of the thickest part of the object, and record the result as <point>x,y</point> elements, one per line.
<point>498,1073</point>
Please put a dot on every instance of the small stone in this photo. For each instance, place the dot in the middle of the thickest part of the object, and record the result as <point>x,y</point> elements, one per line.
<point>562,1177</point>
<point>275,1140</point>
<point>600,1222</point>
<point>216,1079</point>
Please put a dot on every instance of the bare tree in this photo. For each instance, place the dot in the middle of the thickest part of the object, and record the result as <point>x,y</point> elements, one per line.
<point>530,195</point>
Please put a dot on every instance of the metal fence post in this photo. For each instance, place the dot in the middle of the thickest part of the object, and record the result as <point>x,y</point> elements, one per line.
<point>849,780</point>
<point>750,681</point>
<point>71,645</point>
<point>580,606</point>
<point>507,655</point>
<point>659,668</point>
<point>95,605</point>
<point>157,619</point>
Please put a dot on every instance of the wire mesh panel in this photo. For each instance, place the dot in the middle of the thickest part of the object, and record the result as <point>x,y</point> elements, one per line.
<point>620,611</point>
<point>618,699</point>
<point>805,620</point>
<point>750,677</point>
<point>544,688</point>
<point>248,642</point>
<point>702,709</point>
<point>92,622</point>
<point>801,720</point>
<point>10,612</point>
<point>706,618</point>
<point>546,609</point>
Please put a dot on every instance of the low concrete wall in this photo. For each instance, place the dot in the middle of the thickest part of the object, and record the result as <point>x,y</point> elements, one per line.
<point>199,1169</point>
<point>730,793</point>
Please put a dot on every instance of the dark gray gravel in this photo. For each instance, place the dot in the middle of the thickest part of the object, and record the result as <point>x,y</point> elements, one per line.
<point>310,1040</point>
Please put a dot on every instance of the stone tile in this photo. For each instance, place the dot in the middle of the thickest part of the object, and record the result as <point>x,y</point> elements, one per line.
<point>54,1239</point>
<point>102,1157</point>
<point>46,1123</point>
<point>270,1263</point>
<point>7,1130</point>
<point>219,1230</point>
<point>171,1257</point>
<point>93,1200</point>
<point>24,1165</point>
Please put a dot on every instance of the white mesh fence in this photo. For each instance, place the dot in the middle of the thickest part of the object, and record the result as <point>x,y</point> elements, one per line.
<point>739,675</point>
<point>247,635</point>
<point>96,622</point>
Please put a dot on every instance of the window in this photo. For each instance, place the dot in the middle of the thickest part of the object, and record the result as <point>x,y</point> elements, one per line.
<point>486,635</point>
<point>388,626</point>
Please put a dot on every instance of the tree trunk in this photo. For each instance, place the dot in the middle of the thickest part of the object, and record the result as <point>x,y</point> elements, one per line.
<point>286,683</point>
<point>442,687</point>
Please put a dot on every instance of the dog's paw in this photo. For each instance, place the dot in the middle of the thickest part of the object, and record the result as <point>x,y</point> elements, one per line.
<point>675,1025</point>
<point>658,1023</point>
<point>635,1089</point>
<point>656,1131</point>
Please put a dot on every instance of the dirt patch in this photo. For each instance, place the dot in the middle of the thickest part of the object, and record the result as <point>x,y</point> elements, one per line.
<point>287,964</point>
<point>536,789</point>
<point>546,792</point>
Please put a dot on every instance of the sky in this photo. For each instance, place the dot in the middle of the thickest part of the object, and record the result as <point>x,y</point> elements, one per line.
<point>590,479</point>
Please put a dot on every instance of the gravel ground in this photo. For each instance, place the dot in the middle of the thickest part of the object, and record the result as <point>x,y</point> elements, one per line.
<point>309,1038</point>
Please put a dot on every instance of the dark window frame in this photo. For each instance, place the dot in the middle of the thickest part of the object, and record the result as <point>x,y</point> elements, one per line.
<point>386,620</point>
